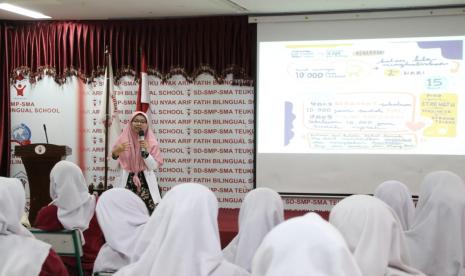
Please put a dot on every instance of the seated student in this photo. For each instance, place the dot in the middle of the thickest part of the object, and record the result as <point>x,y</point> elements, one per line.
<point>398,197</point>
<point>374,235</point>
<point>182,237</point>
<point>261,210</point>
<point>72,207</point>
<point>436,238</point>
<point>122,216</point>
<point>20,252</point>
<point>306,245</point>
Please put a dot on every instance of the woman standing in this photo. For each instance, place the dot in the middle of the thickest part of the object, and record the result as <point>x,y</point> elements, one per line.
<point>138,153</point>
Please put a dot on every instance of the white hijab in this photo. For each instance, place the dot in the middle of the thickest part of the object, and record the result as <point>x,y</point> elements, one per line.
<point>261,210</point>
<point>69,192</point>
<point>183,237</point>
<point>398,197</point>
<point>436,238</point>
<point>374,235</point>
<point>20,253</point>
<point>122,216</point>
<point>303,246</point>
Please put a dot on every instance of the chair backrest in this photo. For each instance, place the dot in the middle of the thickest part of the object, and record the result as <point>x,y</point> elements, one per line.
<point>64,242</point>
<point>103,273</point>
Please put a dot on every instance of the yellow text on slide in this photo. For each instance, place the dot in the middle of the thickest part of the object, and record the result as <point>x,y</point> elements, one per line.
<point>441,109</point>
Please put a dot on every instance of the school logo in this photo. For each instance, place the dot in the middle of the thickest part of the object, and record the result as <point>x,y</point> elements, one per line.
<point>21,134</point>
<point>20,86</point>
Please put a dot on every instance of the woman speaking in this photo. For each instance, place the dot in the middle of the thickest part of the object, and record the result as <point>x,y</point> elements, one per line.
<point>138,153</point>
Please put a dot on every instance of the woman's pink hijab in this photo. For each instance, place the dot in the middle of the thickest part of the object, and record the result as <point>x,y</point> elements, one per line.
<point>131,160</point>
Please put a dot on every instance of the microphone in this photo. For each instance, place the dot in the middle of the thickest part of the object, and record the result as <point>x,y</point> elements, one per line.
<point>142,138</point>
<point>45,130</point>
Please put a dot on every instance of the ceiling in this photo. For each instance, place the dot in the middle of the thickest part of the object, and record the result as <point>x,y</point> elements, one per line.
<point>145,9</point>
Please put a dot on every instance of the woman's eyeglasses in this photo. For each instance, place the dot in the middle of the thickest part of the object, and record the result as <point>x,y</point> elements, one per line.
<point>139,122</point>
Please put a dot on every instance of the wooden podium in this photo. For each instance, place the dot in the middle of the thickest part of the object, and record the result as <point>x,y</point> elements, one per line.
<point>39,159</point>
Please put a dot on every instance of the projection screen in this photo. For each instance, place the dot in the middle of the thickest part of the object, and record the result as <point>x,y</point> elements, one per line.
<point>344,104</point>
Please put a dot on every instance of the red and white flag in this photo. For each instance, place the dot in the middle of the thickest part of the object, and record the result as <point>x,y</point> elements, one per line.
<point>143,94</point>
<point>114,125</point>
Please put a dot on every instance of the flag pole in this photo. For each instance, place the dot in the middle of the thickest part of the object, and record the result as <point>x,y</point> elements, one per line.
<point>139,89</point>
<point>107,113</point>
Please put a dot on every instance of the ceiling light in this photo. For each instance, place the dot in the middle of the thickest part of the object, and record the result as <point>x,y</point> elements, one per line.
<point>22,11</point>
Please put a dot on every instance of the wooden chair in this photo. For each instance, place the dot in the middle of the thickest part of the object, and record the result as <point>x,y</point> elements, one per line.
<point>65,243</point>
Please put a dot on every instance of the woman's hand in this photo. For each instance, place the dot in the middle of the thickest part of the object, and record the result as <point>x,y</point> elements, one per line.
<point>120,148</point>
<point>144,145</point>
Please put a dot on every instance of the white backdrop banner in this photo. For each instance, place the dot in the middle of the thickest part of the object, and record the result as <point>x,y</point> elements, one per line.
<point>205,130</point>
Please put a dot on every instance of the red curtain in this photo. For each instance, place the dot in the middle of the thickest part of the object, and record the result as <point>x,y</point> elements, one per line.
<point>4,105</point>
<point>219,45</point>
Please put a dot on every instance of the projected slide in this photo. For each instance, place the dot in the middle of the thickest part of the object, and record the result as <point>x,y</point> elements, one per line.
<point>383,96</point>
